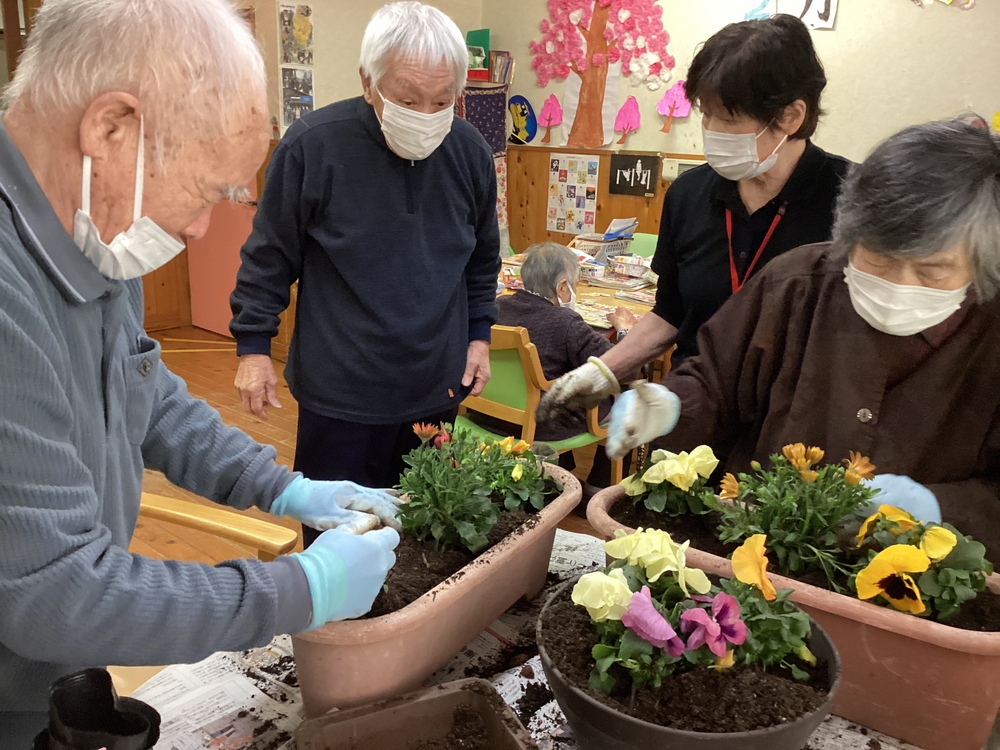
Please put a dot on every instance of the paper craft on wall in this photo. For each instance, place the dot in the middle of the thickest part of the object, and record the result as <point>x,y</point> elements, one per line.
<point>816,14</point>
<point>296,93</point>
<point>295,22</point>
<point>761,9</point>
<point>583,41</point>
<point>523,118</point>
<point>996,122</point>
<point>628,119</point>
<point>572,206</point>
<point>673,104</point>
<point>551,116</point>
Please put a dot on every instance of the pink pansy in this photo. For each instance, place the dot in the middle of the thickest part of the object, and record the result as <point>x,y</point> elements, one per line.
<point>647,623</point>
<point>715,630</point>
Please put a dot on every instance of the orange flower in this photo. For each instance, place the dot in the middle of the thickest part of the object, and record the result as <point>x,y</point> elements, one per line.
<point>795,453</point>
<point>802,459</point>
<point>425,431</point>
<point>730,487</point>
<point>814,454</point>
<point>808,475</point>
<point>858,467</point>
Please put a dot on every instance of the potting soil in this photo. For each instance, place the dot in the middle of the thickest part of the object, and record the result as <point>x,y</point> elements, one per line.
<point>468,732</point>
<point>703,700</point>
<point>536,695</point>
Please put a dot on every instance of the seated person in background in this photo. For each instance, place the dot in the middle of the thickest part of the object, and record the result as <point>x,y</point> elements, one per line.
<point>885,341</point>
<point>546,307</point>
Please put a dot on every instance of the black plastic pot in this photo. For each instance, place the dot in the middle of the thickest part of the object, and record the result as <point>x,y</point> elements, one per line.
<point>599,727</point>
<point>86,713</point>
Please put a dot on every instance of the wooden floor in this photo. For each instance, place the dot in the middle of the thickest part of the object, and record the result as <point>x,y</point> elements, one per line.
<point>207,362</point>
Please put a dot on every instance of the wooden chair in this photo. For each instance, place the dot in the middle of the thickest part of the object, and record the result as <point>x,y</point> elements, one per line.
<point>514,390</point>
<point>267,539</point>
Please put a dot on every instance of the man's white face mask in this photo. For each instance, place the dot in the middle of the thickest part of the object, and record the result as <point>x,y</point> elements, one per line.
<point>140,249</point>
<point>414,135</point>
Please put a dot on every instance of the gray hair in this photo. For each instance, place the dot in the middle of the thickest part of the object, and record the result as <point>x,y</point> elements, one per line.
<point>417,32</point>
<point>545,265</point>
<point>925,190</point>
<point>194,65</point>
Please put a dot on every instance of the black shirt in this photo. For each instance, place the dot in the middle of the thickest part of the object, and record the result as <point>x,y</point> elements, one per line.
<point>692,253</point>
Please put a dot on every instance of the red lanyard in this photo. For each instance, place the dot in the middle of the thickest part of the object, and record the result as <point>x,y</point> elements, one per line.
<point>734,277</point>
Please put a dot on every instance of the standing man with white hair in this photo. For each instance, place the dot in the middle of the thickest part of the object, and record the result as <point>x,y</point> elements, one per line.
<point>126,121</point>
<point>383,208</point>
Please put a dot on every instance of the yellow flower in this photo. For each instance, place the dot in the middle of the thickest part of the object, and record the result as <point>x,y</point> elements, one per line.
<point>806,655</point>
<point>802,459</point>
<point>681,469</point>
<point>888,576</point>
<point>505,445</point>
<point>858,467</point>
<point>730,487</point>
<point>425,431</point>
<point>520,447</point>
<point>795,453</point>
<point>657,553</point>
<point>750,566</point>
<point>634,486</point>
<point>808,475</point>
<point>605,595</point>
<point>937,542</point>
<point>903,520</point>
<point>814,455</point>
<point>725,662</point>
<point>517,473</point>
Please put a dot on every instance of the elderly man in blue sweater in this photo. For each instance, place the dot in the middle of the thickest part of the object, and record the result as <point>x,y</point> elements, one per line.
<point>126,121</point>
<point>383,209</point>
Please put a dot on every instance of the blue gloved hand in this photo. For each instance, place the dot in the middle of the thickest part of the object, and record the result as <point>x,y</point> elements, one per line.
<point>905,494</point>
<point>337,505</point>
<point>346,571</point>
<point>641,415</point>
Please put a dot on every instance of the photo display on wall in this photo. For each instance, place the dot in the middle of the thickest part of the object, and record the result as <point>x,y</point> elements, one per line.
<point>573,183</point>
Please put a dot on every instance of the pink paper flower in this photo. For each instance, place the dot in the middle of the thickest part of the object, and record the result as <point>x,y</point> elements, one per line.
<point>647,623</point>
<point>716,629</point>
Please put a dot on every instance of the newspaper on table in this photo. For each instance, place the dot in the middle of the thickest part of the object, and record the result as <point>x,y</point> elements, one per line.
<point>251,700</point>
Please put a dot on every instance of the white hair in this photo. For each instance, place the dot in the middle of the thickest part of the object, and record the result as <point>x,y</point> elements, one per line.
<point>194,65</point>
<point>417,32</point>
<point>545,265</point>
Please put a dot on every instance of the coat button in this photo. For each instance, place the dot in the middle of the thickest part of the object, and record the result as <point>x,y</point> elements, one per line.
<point>865,416</point>
<point>145,367</point>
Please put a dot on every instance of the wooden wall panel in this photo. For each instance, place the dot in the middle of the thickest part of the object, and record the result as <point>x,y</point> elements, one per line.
<point>527,196</point>
<point>168,295</point>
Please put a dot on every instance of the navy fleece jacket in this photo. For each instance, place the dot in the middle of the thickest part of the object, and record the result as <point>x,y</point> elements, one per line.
<point>397,263</point>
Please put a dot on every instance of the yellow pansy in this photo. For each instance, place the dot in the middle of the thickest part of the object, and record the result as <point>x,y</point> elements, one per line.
<point>657,553</point>
<point>681,469</point>
<point>903,520</point>
<point>888,576</point>
<point>937,542</point>
<point>634,486</point>
<point>750,566</point>
<point>517,473</point>
<point>605,595</point>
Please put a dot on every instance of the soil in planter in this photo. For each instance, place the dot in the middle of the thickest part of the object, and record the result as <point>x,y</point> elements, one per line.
<point>468,732</point>
<point>703,700</point>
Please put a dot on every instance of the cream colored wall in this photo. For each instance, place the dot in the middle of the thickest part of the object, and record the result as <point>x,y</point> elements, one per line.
<point>266,20</point>
<point>889,64</point>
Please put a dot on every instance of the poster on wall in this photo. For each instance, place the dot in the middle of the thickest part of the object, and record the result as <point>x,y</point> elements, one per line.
<point>295,22</point>
<point>296,93</point>
<point>816,14</point>
<point>760,9</point>
<point>572,204</point>
<point>634,174</point>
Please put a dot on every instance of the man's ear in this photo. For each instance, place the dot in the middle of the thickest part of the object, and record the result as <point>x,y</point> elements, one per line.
<point>366,85</point>
<point>107,123</point>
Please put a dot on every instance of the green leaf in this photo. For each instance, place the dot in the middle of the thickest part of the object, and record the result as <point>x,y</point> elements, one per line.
<point>633,646</point>
<point>967,555</point>
<point>928,583</point>
<point>797,673</point>
<point>656,500</point>
<point>602,651</point>
<point>602,681</point>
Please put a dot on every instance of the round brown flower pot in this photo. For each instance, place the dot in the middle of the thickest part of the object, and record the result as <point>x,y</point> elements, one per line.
<point>597,726</point>
<point>934,686</point>
<point>353,662</point>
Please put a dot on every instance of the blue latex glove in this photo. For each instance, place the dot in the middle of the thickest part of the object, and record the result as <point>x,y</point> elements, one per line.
<point>337,505</point>
<point>346,572</point>
<point>641,415</point>
<point>905,494</point>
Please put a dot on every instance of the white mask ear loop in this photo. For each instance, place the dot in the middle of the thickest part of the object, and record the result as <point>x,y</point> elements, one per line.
<point>87,168</point>
<point>140,166</point>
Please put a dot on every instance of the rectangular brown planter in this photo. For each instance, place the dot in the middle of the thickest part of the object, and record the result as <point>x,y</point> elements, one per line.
<point>932,685</point>
<point>423,716</point>
<point>354,662</point>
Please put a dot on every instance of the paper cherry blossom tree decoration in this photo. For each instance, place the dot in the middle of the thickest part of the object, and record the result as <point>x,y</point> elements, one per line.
<point>550,116</point>
<point>627,119</point>
<point>674,104</point>
<point>582,37</point>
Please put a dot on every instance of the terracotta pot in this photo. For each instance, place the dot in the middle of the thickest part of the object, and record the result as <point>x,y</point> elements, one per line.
<point>422,716</point>
<point>354,662</point>
<point>931,685</point>
<point>600,727</point>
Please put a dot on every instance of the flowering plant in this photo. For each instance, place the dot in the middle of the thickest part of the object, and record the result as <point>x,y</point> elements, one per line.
<point>457,485</point>
<point>800,506</point>
<point>923,568</point>
<point>674,483</point>
<point>656,617</point>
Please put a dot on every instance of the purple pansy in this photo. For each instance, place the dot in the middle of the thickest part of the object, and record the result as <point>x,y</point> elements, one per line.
<point>647,623</point>
<point>716,629</point>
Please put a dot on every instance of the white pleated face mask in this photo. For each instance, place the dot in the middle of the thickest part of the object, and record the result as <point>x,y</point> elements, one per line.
<point>734,155</point>
<point>140,249</point>
<point>414,135</point>
<point>571,304</point>
<point>899,309</point>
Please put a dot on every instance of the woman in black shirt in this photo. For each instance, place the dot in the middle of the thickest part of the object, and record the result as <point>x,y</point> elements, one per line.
<point>765,190</point>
